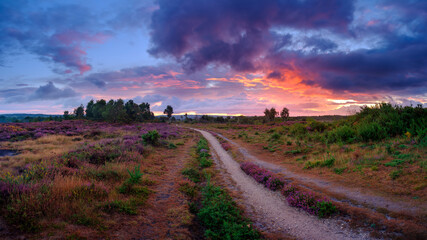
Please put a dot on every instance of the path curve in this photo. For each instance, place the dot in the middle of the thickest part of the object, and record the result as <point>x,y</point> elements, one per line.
<point>273,207</point>
<point>362,196</point>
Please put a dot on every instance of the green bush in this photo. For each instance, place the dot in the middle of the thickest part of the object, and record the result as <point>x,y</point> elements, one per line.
<point>371,132</point>
<point>316,126</point>
<point>128,187</point>
<point>344,134</point>
<point>325,209</point>
<point>297,129</point>
<point>275,136</point>
<point>152,137</point>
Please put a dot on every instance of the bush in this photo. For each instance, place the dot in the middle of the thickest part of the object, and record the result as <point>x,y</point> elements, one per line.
<point>325,208</point>
<point>275,136</point>
<point>344,134</point>
<point>128,187</point>
<point>316,126</point>
<point>152,137</point>
<point>297,129</point>
<point>371,132</point>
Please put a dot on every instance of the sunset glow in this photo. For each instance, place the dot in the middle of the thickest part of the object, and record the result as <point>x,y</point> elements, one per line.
<point>213,57</point>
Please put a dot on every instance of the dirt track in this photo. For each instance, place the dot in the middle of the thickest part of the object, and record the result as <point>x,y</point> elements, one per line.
<point>362,197</point>
<point>271,208</point>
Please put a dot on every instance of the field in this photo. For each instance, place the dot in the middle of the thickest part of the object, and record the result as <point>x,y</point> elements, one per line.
<point>80,179</point>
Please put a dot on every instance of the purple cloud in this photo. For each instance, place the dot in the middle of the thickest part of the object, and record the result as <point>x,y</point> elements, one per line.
<point>236,33</point>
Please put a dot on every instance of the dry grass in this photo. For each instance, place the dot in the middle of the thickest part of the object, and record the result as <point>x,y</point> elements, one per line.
<point>31,151</point>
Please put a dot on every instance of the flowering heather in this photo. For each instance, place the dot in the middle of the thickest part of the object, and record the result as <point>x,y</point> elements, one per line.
<point>305,200</point>
<point>20,131</point>
<point>225,145</point>
<point>262,175</point>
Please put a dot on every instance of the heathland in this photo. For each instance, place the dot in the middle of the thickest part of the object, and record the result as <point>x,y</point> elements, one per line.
<point>359,176</point>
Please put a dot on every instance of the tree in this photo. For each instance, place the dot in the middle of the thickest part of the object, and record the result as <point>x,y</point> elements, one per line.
<point>145,110</point>
<point>89,109</point>
<point>270,114</point>
<point>168,111</point>
<point>284,114</point>
<point>79,112</point>
<point>66,115</point>
<point>133,111</point>
<point>98,109</point>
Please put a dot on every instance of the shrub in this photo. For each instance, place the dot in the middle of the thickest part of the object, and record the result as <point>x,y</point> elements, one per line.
<point>275,136</point>
<point>329,162</point>
<point>317,126</point>
<point>297,129</point>
<point>325,208</point>
<point>371,132</point>
<point>152,137</point>
<point>128,187</point>
<point>344,134</point>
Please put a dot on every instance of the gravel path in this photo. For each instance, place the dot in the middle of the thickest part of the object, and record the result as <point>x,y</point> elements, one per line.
<point>362,196</point>
<point>272,209</point>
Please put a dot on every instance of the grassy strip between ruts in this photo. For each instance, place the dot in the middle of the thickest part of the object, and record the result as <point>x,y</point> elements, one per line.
<point>214,208</point>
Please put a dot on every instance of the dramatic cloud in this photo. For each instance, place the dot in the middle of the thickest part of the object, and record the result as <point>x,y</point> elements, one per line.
<point>236,33</point>
<point>214,56</point>
<point>264,35</point>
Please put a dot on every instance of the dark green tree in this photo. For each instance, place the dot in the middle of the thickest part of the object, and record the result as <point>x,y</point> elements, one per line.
<point>89,109</point>
<point>270,114</point>
<point>145,111</point>
<point>98,109</point>
<point>284,114</point>
<point>79,112</point>
<point>168,111</point>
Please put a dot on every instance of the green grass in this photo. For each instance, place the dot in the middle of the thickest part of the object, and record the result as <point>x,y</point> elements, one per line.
<point>221,218</point>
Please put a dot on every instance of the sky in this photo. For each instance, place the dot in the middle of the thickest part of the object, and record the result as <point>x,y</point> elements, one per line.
<point>227,57</point>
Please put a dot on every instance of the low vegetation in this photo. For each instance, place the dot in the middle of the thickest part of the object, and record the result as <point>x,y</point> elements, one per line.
<point>101,172</point>
<point>381,147</point>
<point>308,201</point>
<point>214,208</point>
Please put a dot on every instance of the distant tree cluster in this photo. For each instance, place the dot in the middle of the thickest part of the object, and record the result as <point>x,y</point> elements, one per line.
<point>113,111</point>
<point>271,113</point>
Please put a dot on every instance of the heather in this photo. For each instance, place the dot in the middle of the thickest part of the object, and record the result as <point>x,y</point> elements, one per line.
<point>307,201</point>
<point>106,172</point>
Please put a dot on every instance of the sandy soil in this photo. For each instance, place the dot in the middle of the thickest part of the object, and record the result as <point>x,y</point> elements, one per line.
<point>271,209</point>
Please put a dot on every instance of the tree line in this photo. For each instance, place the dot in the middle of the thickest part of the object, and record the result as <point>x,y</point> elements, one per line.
<point>115,111</point>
